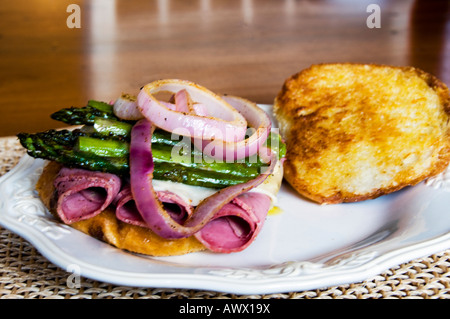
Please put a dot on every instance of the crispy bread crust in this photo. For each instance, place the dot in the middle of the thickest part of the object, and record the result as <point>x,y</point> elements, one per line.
<point>356,132</point>
<point>106,227</point>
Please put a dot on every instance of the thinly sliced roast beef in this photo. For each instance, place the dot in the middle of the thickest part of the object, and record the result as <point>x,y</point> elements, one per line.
<point>82,194</point>
<point>237,224</point>
<point>127,211</point>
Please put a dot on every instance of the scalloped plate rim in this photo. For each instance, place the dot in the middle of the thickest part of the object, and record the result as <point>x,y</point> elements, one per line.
<point>289,276</point>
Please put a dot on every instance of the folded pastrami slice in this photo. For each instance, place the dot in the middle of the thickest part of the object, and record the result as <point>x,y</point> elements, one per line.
<point>127,211</point>
<point>237,224</point>
<point>82,194</point>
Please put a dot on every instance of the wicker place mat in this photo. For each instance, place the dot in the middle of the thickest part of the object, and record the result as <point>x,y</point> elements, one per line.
<point>26,274</point>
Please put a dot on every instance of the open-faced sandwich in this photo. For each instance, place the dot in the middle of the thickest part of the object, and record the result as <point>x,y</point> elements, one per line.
<point>174,170</point>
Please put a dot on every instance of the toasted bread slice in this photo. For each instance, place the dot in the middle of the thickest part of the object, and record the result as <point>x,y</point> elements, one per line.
<point>356,132</point>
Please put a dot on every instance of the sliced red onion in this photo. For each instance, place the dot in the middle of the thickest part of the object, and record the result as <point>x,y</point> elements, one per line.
<point>152,210</point>
<point>260,126</point>
<point>200,109</point>
<point>183,103</point>
<point>219,137</point>
<point>125,107</point>
<point>227,120</point>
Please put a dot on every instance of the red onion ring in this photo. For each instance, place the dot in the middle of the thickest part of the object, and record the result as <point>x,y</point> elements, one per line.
<point>227,120</point>
<point>183,102</point>
<point>151,209</point>
<point>125,107</point>
<point>257,120</point>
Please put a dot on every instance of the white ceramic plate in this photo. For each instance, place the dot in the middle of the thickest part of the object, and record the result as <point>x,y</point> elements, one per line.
<point>306,246</point>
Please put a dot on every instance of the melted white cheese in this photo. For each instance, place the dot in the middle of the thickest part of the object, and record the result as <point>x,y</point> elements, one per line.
<point>195,194</point>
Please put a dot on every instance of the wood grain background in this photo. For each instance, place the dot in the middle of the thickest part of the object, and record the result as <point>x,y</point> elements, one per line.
<point>241,47</point>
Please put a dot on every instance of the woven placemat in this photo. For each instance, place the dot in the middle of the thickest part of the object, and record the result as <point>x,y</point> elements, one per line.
<point>25,273</point>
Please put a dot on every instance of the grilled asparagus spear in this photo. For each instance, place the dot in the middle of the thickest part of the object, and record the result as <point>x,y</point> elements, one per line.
<point>102,144</point>
<point>77,149</point>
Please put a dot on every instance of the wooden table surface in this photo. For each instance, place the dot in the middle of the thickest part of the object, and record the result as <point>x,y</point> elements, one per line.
<point>240,47</point>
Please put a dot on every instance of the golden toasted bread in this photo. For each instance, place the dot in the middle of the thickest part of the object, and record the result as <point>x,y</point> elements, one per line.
<point>356,132</point>
<point>106,227</point>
